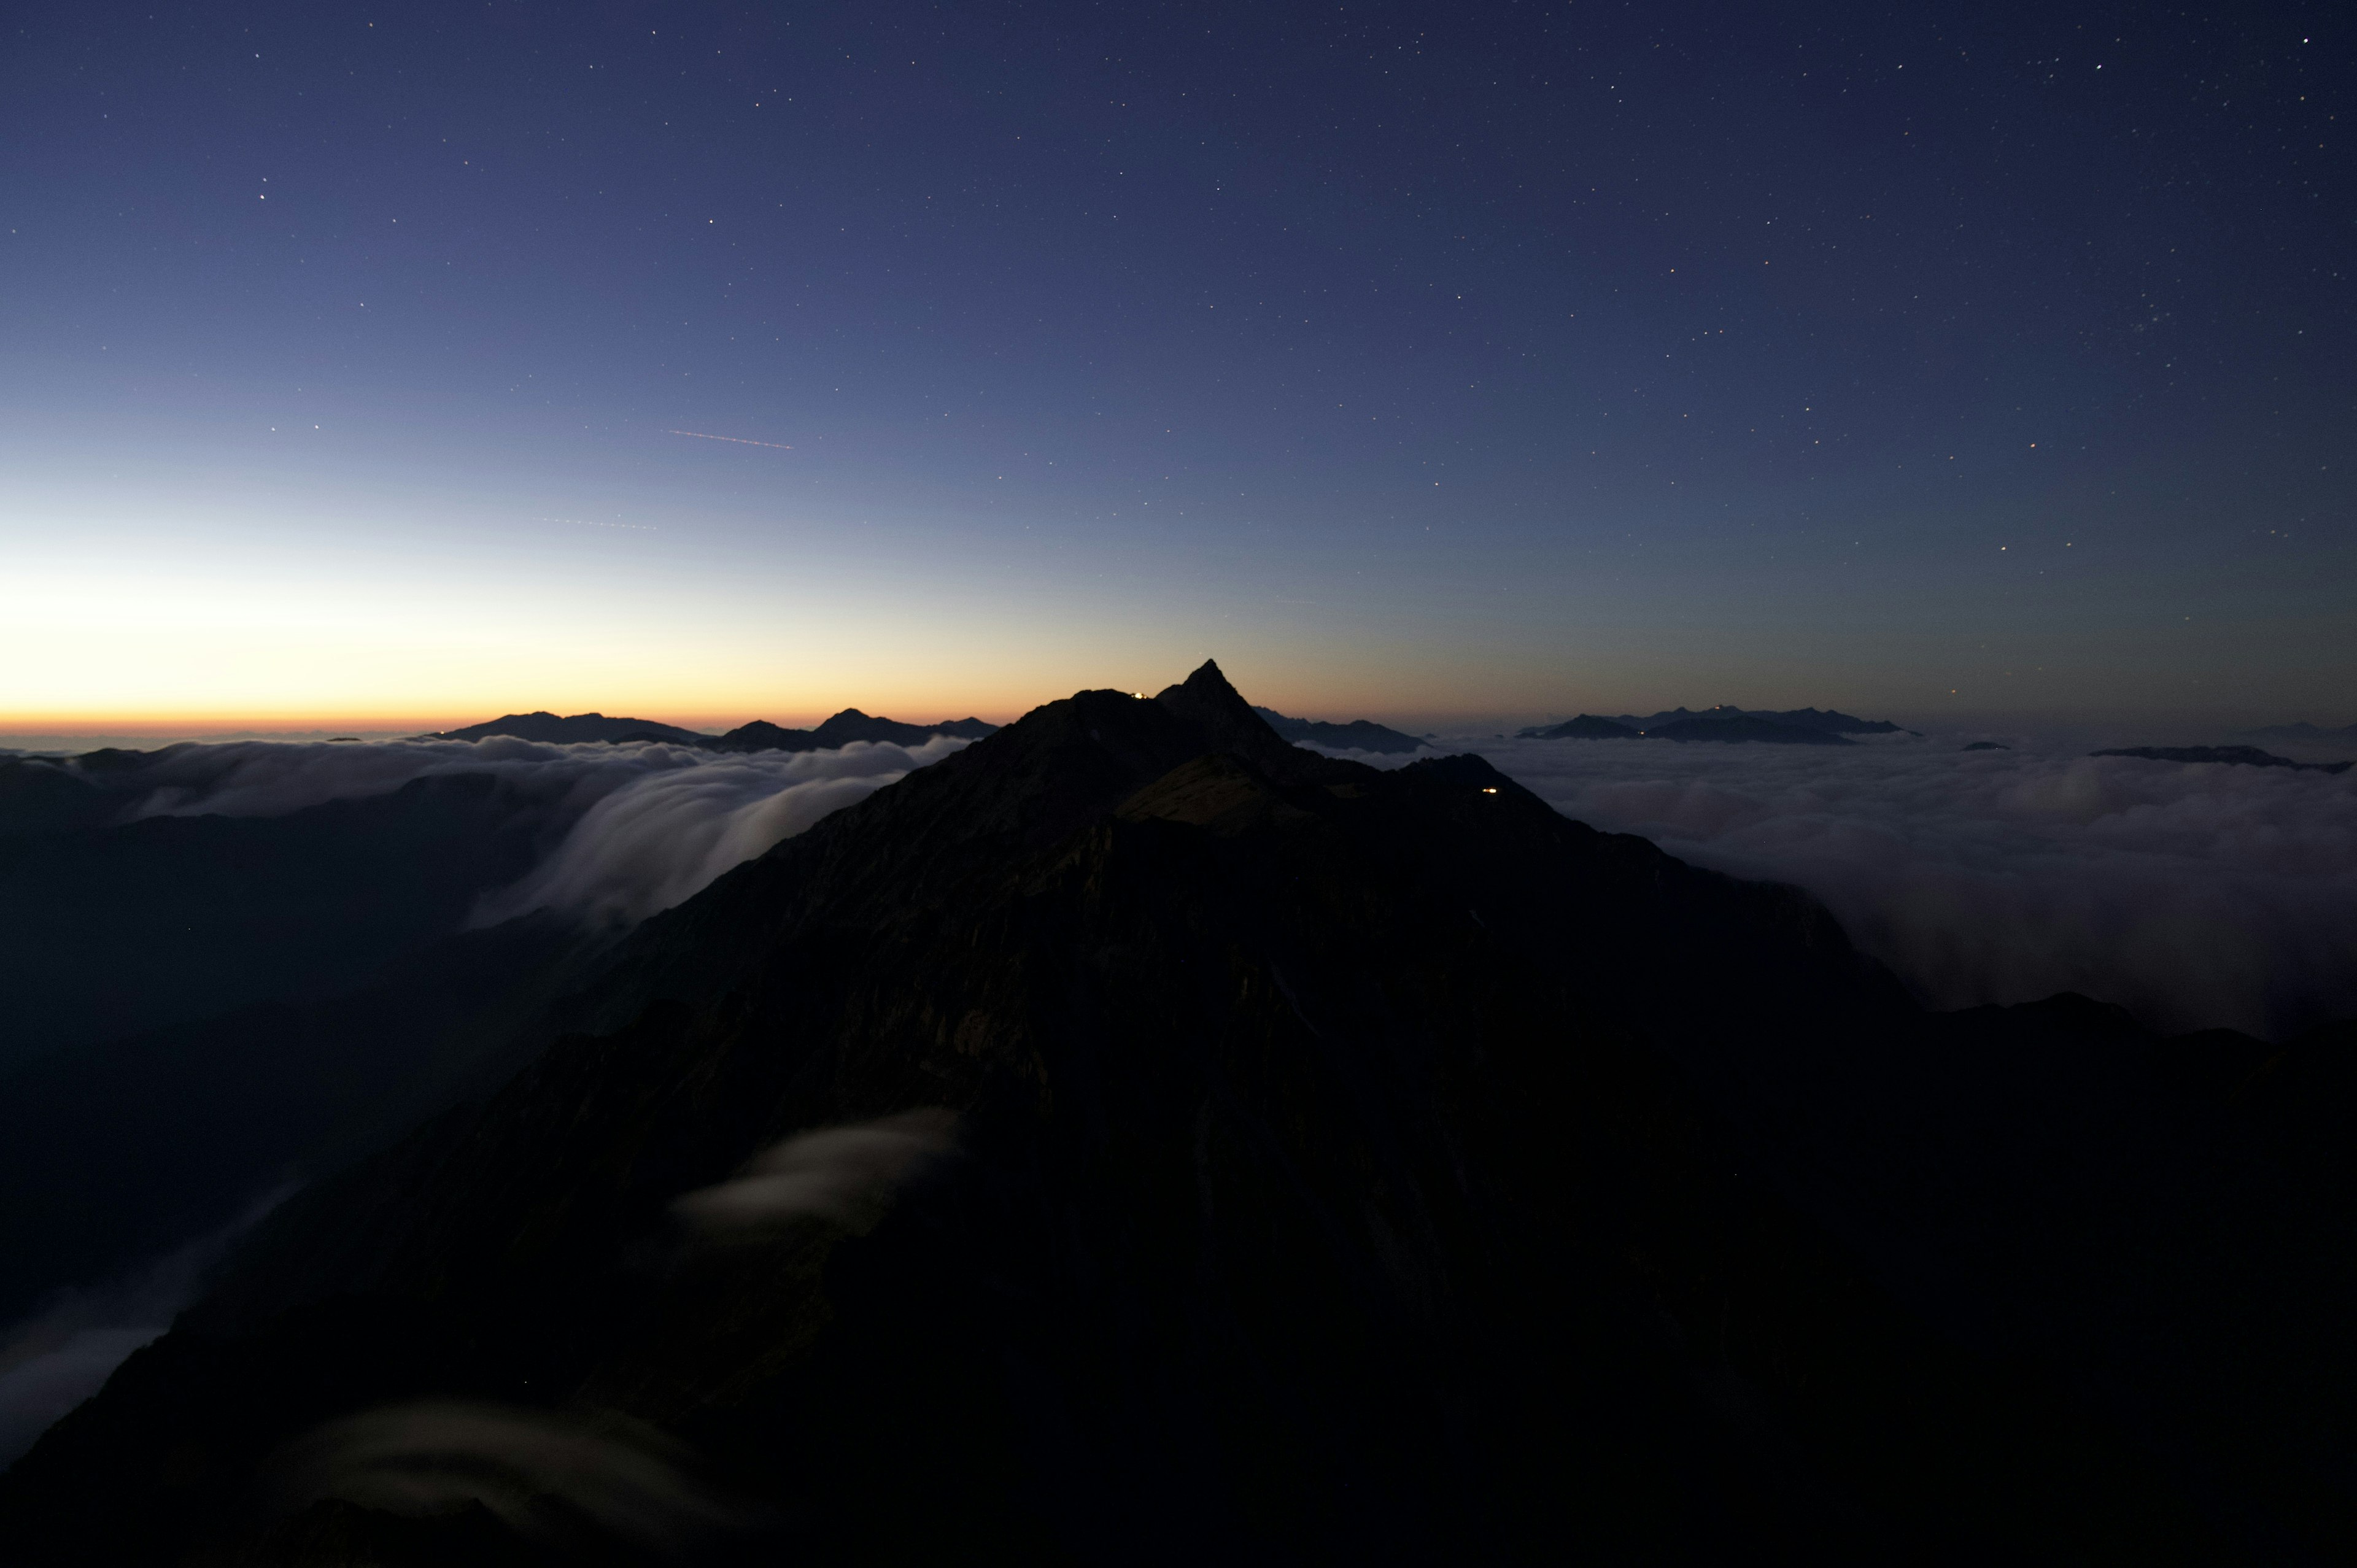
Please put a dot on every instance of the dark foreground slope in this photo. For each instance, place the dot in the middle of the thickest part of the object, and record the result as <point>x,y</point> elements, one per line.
<point>1356,1168</point>
<point>114,1153</point>
<point>112,928</point>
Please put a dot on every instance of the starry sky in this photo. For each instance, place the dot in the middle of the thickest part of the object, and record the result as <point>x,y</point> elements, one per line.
<point>1420,362</point>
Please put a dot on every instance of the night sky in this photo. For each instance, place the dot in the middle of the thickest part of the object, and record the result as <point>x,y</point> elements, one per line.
<point>1418,362</point>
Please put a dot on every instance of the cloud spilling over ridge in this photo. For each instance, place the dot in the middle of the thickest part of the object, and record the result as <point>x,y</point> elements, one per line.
<point>2197,895</point>
<point>637,826</point>
<point>271,778</point>
<point>660,838</point>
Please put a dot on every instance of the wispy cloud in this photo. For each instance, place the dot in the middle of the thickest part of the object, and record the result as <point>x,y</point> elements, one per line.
<point>847,1176</point>
<point>548,1476</point>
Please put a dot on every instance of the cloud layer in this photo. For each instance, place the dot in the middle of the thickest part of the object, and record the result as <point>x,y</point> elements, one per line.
<point>2195,896</point>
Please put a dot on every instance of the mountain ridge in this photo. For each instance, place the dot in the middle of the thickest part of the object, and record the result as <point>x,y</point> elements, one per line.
<point>1356,1167</point>
<point>841,729</point>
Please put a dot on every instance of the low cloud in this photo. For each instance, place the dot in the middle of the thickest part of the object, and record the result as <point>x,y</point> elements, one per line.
<point>845,1175</point>
<point>581,1480</point>
<point>63,1354</point>
<point>660,838</point>
<point>2195,895</point>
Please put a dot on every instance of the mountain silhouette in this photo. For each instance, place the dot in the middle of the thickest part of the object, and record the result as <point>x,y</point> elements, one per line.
<point>1797,727</point>
<point>1349,1167</point>
<point>575,729</point>
<point>843,728</point>
<point>1587,727</point>
<point>2238,756</point>
<point>1359,735</point>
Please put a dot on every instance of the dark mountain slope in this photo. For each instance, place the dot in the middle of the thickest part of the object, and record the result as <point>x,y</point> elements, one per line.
<point>110,930</point>
<point>112,1153</point>
<point>1358,1168</point>
<point>40,794</point>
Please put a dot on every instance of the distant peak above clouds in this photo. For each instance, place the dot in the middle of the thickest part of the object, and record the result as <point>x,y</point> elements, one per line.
<point>1793,726</point>
<point>575,729</point>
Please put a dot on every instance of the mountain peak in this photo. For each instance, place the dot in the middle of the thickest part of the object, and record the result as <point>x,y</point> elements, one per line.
<point>1216,710</point>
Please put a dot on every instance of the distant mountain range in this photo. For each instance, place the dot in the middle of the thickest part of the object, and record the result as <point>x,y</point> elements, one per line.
<point>851,724</point>
<point>1795,727</point>
<point>845,727</point>
<point>2239,756</point>
<point>575,729</point>
<point>1359,735</point>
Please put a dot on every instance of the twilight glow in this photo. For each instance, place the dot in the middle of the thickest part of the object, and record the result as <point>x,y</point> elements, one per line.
<point>413,368</point>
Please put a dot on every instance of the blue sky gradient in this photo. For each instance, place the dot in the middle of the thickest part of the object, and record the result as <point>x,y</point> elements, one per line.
<point>1419,364</point>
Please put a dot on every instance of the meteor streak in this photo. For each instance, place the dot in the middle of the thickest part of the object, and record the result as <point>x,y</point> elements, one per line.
<point>739,440</point>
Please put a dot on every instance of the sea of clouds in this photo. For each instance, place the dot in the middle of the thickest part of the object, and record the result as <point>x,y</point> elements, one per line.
<point>2195,894</point>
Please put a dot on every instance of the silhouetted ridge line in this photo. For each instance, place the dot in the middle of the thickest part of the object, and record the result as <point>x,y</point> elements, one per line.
<point>1796,727</point>
<point>576,729</point>
<point>842,729</point>
<point>1359,735</point>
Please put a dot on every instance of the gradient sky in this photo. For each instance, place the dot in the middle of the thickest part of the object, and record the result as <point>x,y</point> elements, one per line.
<point>1417,361</point>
